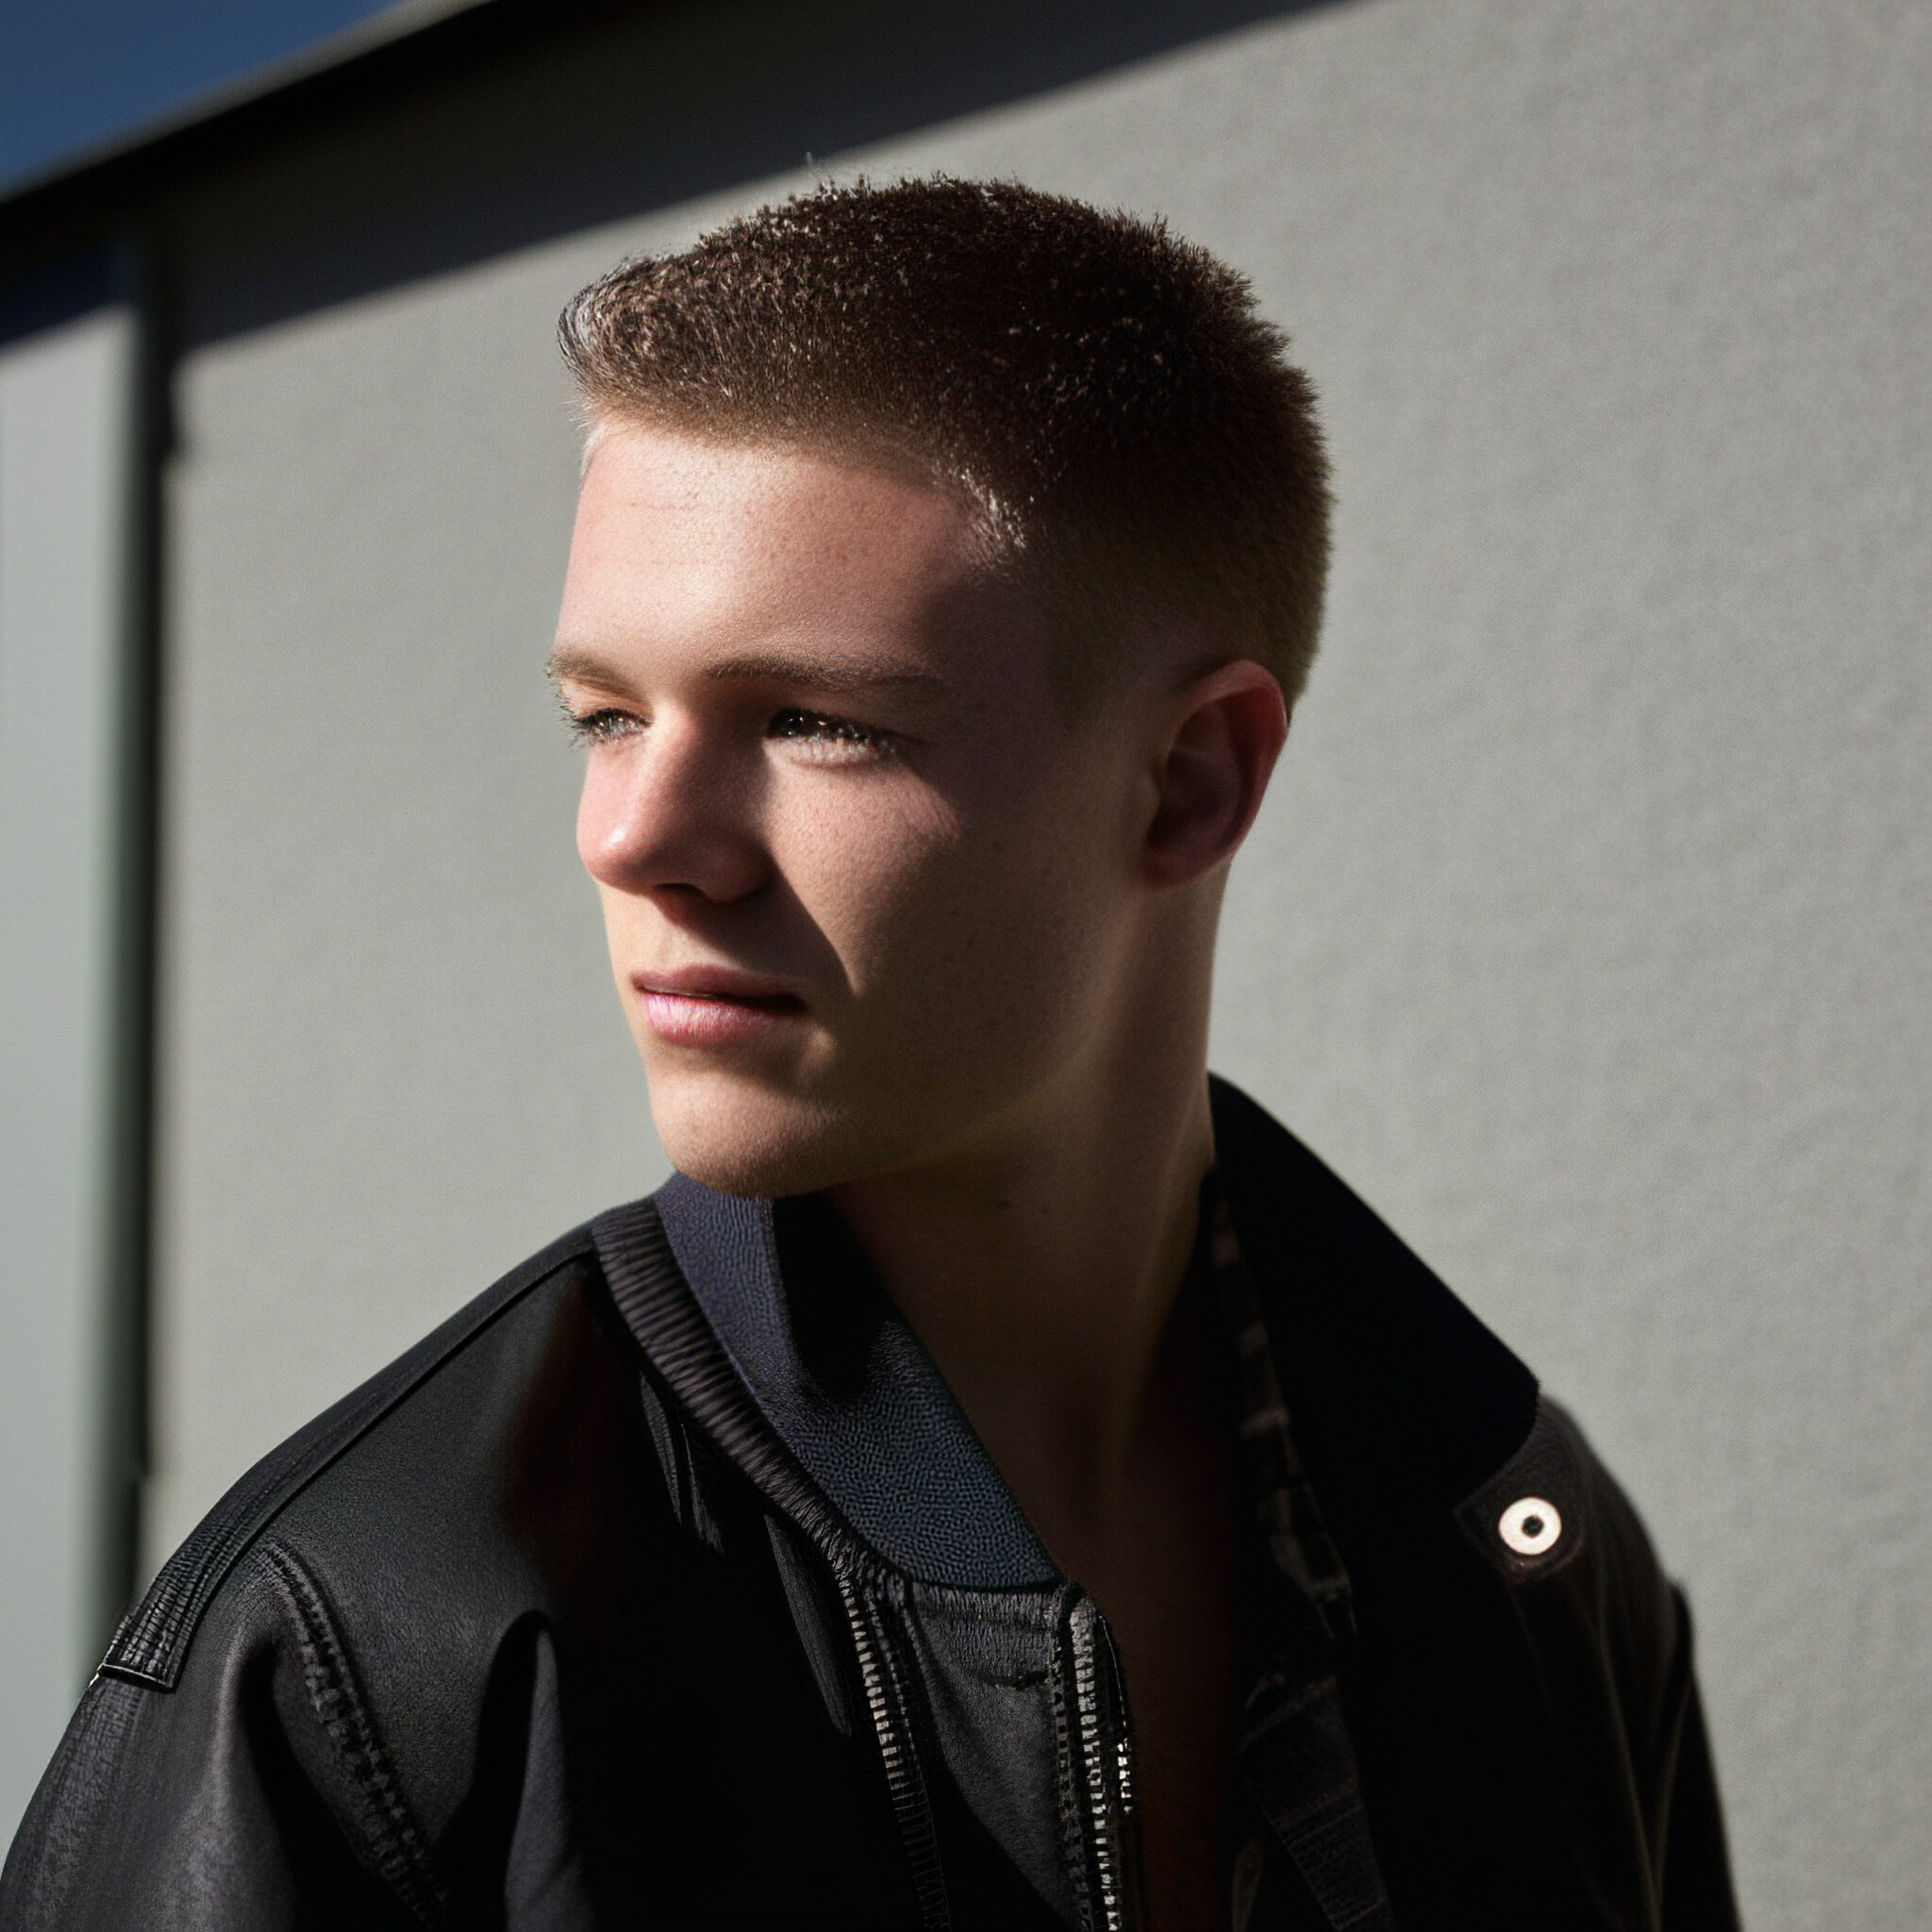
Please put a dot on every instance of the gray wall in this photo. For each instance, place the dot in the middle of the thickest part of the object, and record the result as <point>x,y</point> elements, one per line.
<point>66,452</point>
<point>1586,929</point>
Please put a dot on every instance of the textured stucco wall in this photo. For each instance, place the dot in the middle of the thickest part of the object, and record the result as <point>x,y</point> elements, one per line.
<point>66,396</point>
<point>1586,930</point>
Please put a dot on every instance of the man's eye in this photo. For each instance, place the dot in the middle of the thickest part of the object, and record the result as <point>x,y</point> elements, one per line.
<point>834,737</point>
<point>602,725</point>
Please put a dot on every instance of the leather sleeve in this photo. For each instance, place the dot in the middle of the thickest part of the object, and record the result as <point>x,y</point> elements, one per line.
<point>1610,1641</point>
<point>1696,1867</point>
<point>228,1803</point>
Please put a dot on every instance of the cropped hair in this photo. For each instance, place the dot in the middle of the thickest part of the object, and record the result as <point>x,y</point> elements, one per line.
<point>1126,423</point>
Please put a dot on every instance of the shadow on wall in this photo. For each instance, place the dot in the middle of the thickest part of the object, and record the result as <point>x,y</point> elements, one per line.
<point>618,113</point>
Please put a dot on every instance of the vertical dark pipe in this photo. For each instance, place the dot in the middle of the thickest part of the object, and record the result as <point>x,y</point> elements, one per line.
<point>130,1163</point>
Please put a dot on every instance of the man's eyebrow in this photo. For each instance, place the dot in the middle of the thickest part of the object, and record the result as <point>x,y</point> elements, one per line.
<point>839,676</point>
<point>835,677</point>
<point>582,667</point>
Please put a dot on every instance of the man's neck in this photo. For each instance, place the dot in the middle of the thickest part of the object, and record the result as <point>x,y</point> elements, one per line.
<point>1041,1274</point>
<point>1044,1278</point>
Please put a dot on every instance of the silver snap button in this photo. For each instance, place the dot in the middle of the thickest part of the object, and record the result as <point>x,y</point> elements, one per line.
<point>1530,1526</point>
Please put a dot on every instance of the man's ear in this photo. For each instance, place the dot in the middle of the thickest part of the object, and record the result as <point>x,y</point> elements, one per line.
<point>1227,728</point>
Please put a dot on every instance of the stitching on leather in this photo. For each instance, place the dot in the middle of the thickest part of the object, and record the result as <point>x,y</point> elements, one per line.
<point>396,1848</point>
<point>151,1645</point>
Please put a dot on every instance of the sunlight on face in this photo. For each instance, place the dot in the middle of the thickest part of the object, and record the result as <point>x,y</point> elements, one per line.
<point>861,884</point>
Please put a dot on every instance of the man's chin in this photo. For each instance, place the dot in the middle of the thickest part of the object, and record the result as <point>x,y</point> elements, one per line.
<point>740,1138</point>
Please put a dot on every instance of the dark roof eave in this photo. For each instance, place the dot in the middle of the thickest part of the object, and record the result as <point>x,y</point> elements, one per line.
<point>354,70</point>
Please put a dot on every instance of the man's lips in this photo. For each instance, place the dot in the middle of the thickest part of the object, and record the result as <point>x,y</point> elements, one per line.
<point>714,1006</point>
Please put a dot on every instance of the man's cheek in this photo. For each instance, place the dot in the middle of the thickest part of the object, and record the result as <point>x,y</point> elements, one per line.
<point>883,911</point>
<point>621,914</point>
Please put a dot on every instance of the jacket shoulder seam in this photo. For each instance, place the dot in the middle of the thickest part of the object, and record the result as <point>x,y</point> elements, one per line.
<point>394,1838</point>
<point>151,1646</point>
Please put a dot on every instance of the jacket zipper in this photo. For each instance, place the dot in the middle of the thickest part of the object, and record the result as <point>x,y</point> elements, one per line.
<point>1103,1773</point>
<point>882,1674</point>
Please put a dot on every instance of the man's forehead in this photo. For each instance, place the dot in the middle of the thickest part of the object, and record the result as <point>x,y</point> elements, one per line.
<point>760,562</point>
<point>682,473</point>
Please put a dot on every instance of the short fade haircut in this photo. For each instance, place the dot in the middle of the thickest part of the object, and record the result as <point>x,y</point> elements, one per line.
<point>1127,425</point>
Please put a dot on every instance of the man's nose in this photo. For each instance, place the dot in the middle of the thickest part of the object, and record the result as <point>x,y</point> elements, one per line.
<point>674,814</point>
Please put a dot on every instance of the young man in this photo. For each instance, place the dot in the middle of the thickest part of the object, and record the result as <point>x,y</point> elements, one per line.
<point>1004,1480</point>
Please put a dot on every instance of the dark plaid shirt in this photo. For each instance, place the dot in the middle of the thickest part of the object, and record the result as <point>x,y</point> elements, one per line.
<point>1301,1854</point>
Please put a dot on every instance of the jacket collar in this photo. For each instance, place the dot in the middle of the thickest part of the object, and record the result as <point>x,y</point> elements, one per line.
<point>1402,1402</point>
<point>847,1388</point>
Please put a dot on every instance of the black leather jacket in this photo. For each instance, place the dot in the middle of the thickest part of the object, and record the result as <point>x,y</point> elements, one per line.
<point>665,1585</point>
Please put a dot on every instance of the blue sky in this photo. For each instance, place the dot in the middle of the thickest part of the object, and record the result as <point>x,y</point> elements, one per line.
<point>77,72</point>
